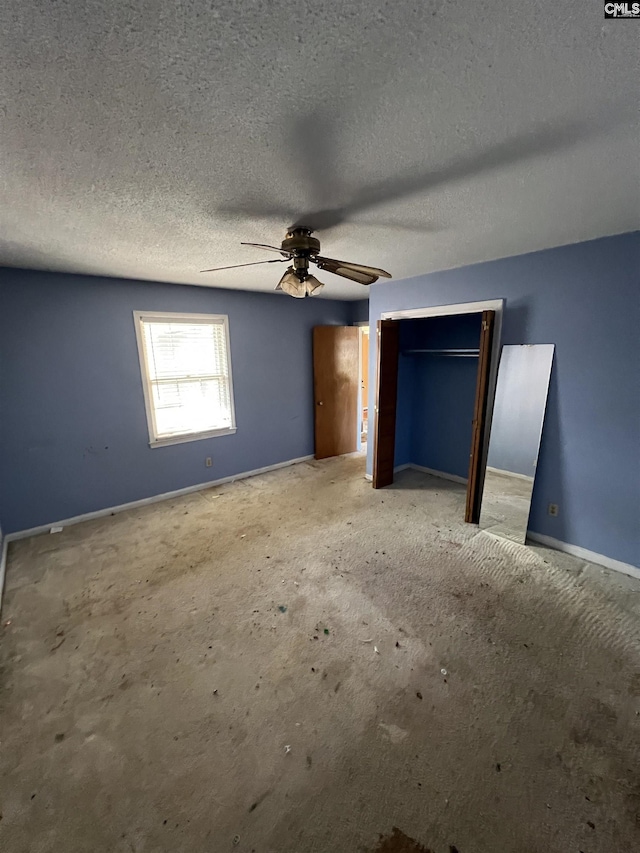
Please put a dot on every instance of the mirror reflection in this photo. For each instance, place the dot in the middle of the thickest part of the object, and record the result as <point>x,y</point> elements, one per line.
<point>516,430</point>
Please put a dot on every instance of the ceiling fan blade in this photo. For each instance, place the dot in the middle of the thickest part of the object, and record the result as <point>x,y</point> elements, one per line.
<point>251,264</point>
<point>270,248</point>
<point>353,275</point>
<point>356,272</point>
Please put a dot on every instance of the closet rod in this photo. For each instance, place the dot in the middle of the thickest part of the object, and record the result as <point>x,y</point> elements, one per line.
<point>460,353</point>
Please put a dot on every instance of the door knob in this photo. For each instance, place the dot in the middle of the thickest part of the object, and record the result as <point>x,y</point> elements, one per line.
<point>320,403</point>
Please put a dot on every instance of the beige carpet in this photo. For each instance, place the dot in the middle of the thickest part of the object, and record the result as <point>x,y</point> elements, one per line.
<point>298,664</point>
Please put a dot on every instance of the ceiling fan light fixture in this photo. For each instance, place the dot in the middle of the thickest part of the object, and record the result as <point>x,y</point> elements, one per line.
<point>291,285</point>
<point>313,285</point>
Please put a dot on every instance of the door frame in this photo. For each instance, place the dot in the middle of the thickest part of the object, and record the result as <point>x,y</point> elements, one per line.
<point>361,371</point>
<point>496,305</point>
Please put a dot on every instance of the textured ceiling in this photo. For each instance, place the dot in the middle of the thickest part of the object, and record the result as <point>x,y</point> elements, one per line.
<point>147,138</point>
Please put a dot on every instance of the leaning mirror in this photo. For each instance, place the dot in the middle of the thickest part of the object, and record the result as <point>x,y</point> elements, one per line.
<point>516,429</point>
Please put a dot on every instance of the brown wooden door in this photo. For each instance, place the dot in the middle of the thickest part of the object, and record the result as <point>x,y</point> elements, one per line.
<point>384,430</point>
<point>476,466</point>
<point>335,383</point>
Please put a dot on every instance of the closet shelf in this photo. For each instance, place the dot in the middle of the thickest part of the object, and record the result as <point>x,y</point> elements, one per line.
<point>459,353</point>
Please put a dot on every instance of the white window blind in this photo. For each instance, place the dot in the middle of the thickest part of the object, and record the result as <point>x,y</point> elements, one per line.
<point>187,374</point>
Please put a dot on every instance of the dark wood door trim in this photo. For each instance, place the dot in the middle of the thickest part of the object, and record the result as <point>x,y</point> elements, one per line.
<point>476,468</point>
<point>384,432</point>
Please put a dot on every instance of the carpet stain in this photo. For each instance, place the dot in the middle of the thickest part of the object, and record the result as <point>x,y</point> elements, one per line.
<point>393,733</point>
<point>262,797</point>
<point>398,842</point>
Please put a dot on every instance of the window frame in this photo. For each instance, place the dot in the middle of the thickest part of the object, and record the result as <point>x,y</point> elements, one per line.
<point>140,317</point>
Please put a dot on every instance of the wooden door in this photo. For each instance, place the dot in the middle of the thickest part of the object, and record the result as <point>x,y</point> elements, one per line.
<point>476,461</point>
<point>384,430</point>
<point>335,383</point>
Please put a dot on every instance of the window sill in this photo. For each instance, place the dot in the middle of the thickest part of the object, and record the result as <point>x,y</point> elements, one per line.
<point>192,436</point>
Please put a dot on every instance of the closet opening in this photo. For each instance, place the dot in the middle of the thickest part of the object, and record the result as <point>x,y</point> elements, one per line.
<point>435,382</point>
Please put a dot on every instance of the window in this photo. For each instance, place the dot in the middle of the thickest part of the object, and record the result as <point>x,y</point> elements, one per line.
<point>186,376</point>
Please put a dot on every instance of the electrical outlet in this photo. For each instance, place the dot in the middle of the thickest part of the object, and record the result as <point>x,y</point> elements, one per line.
<point>553,510</point>
<point>208,462</point>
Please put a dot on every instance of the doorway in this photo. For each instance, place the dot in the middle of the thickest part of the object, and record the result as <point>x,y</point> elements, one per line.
<point>341,387</point>
<point>363,407</point>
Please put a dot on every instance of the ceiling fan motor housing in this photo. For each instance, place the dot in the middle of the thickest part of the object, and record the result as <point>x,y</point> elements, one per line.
<point>302,246</point>
<point>300,243</point>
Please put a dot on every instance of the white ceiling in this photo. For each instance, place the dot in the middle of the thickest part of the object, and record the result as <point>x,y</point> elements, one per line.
<point>147,138</point>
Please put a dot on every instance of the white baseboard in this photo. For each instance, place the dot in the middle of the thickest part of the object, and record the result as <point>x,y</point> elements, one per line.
<point>3,567</point>
<point>369,477</point>
<point>584,554</point>
<point>510,474</point>
<point>442,474</point>
<point>88,516</point>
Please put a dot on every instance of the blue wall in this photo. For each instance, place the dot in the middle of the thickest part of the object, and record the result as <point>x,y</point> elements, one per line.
<point>436,394</point>
<point>585,299</point>
<point>73,430</point>
<point>444,390</point>
<point>406,386</point>
<point>359,311</point>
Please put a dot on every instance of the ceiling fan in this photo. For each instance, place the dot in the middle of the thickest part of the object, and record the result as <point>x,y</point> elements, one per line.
<point>302,249</point>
